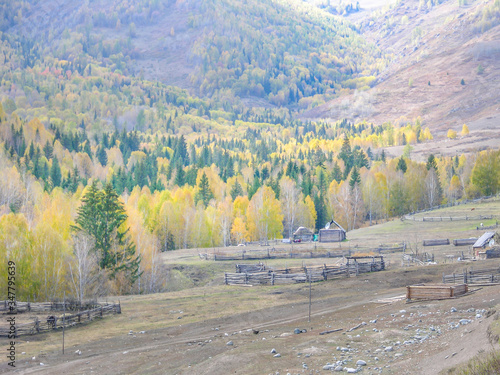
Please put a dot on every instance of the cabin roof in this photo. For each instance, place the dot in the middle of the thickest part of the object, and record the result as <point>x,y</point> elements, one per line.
<point>484,239</point>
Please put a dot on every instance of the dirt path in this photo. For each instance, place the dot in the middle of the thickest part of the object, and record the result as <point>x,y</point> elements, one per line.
<point>201,347</point>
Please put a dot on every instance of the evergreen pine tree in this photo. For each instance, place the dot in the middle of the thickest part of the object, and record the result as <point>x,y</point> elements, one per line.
<point>102,156</point>
<point>355,178</point>
<point>101,216</point>
<point>337,173</point>
<point>180,175</point>
<point>48,150</point>
<point>401,165</point>
<point>236,190</point>
<point>204,192</point>
<point>55,173</point>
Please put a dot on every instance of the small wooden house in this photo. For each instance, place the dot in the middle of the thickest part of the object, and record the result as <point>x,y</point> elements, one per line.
<point>482,242</point>
<point>303,234</point>
<point>332,234</point>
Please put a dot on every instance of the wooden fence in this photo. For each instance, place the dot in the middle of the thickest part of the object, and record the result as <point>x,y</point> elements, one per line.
<point>464,241</point>
<point>54,321</point>
<point>281,253</point>
<point>422,259</point>
<point>303,274</point>
<point>435,242</point>
<point>23,307</point>
<point>435,291</point>
<point>471,276</point>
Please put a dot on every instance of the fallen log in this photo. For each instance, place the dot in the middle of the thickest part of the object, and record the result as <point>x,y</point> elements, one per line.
<point>331,331</point>
<point>359,325</point>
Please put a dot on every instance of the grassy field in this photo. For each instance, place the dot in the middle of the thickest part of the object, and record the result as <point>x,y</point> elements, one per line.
<point>187,331</point>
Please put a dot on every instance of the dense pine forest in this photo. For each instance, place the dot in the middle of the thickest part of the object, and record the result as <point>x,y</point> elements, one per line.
<point>104,167</point>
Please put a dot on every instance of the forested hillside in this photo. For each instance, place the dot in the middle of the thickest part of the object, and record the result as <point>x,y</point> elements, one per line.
<point>94,146</point>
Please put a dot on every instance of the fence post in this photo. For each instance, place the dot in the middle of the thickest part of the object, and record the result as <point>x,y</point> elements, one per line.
<point>272,278</point>
<point>246,278</point>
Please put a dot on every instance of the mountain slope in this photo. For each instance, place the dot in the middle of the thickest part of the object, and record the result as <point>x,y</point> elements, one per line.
<point>278,50</point>
<point>433,51</point>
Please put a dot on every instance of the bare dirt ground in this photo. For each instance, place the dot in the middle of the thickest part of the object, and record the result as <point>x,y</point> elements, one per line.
<point>188,331</point>
<point>398,338</point>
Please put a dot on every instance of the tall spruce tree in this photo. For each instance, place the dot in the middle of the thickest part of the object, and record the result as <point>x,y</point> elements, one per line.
<point>355,178</point>
<point>204,192</point>
<point>55,173</point>
<point>101,216</point>
<point>236,190</point>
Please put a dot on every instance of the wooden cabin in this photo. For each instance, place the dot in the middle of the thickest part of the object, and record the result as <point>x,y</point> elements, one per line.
<point>303,234</point>
<point>482,242</point>
<point>332,234</point>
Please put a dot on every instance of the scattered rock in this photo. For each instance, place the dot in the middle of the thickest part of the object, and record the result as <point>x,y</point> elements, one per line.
<point>273,351</point>
<point>360,363</point>
<point>229,343</point>
<point>388,349</point>
<point>277,355</point>
<point>350,370</point>
<point>453,310</point>
<point>78,352</point>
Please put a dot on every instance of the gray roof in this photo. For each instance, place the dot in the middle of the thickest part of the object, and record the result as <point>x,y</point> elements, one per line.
<point>302,231</point>
<point>484,239</point>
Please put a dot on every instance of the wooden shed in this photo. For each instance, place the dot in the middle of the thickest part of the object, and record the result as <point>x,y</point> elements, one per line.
<point>439,291</point>
<point>303,234</point>
<point>481,242</point>
<point>332,234</point>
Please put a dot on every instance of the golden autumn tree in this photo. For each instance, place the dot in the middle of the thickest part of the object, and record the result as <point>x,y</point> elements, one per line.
<point>264,217</point>
<point>15,246</point>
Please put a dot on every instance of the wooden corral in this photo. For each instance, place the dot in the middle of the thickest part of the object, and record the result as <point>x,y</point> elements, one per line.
<point>474,276</point>
<point>430,292</point>
<point>297,253</point>
<point>250,268</point>
<point>436,242</point>
<point>367,263</point>
<point>55,321</point>
<point>354,266</point>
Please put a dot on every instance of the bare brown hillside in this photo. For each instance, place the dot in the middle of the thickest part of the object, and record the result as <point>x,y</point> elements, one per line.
<point>433,51</point>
